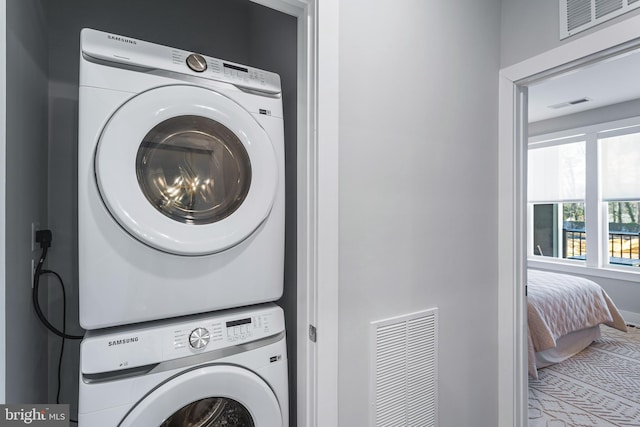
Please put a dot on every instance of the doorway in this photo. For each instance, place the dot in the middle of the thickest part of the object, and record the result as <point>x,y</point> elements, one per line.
<point>513,115</point>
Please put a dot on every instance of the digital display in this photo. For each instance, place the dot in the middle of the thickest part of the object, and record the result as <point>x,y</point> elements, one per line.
<point>238,322</point>
<point>235,67</point>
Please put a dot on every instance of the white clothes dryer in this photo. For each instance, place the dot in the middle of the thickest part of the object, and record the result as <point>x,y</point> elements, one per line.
<point>222,369</point>
<point>180,183</point>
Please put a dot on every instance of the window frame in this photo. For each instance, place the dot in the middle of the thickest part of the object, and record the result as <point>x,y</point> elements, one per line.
<point>597,262</point>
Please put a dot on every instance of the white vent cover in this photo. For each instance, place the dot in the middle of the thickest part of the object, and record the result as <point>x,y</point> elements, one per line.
<point>578,15</point>
<point>404,370</point>
<point>569,103</point>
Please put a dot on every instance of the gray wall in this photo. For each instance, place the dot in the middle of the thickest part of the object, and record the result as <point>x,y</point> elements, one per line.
<point>26,202</point>
<point>235,30</point>
<point>418,192</point>
<point>531,27</point>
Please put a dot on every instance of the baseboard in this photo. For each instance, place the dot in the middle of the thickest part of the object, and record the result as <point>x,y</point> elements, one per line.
<point>631,317</point>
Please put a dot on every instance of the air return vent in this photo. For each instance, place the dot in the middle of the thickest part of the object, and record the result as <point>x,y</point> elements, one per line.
<point>404,370</point>
<point>578,15</point>
<point>569,103</point>
<point>607,7</point>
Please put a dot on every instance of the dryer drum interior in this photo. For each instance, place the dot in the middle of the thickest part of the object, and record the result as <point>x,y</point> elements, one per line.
<point>193,169</point>
<point>211,412</point>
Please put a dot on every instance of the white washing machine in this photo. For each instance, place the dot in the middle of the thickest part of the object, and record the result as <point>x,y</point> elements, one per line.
<point>222,369</point>
<point>180,183</point>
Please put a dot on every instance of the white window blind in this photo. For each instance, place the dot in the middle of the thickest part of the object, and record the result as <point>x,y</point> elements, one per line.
<point>557,173</point>
<point>620,164</point>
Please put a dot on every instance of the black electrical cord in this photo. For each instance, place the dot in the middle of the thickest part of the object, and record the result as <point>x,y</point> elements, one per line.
<point>44,238</point>
<point>64,329</point>
<point>36,302</point>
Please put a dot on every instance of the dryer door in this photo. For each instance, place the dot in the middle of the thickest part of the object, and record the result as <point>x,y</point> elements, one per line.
<point>186,170</point>
<point>211,396</point>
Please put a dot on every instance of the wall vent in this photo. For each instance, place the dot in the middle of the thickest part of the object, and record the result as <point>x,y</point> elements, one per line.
<point>569,103</point>
<point>578,15</point>
<point>606,7</point>
<point>404,370</point>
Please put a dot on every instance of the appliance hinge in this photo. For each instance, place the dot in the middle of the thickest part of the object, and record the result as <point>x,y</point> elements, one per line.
<point>313,335</point>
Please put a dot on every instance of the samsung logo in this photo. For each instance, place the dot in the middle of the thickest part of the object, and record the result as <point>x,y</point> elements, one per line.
<point>123,341</point>
<point>121,39</point>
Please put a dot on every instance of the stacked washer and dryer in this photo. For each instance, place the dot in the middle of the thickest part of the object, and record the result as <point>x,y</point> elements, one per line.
<point>181,239</point>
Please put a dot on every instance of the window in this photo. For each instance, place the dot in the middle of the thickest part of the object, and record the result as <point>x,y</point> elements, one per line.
<point>558,230</point>
<point>557,178</point>
<point>624,232</point>
<point>620,165</point>
<point>584,195</point>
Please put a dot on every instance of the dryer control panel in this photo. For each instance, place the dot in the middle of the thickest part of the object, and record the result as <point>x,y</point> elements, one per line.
<point>134,346</point>
<point>131,52</point>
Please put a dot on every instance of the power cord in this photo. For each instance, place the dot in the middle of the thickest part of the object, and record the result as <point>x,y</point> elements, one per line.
<point>44,237</point>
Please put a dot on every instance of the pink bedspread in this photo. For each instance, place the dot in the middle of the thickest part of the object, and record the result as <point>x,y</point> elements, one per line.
<point>560,303</point>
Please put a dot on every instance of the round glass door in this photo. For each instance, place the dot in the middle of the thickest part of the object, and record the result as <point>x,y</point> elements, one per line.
<point>208,396</point>
<point>211,412</point>
<point>186,170</point>
<point>193,169</point>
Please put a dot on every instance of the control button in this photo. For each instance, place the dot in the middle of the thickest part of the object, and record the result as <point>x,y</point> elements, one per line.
<point>196,62</point>
<point>199,338</point>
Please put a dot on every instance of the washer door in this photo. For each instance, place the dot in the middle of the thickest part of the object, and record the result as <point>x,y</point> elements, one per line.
<point>211,396</point>
<point>186,170</point>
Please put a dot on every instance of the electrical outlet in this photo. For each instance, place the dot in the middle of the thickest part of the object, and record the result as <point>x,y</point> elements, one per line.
<point>33,270</point>
<point>35,226</point>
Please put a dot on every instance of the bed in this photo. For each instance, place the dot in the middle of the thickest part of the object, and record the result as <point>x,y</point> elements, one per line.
<point>564,316</point>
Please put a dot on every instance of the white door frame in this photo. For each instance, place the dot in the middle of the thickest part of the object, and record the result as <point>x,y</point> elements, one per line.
<point>317,181</point>
<point>512,213</point>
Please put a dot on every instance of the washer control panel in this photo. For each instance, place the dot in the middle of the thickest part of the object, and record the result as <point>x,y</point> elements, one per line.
<point>223,333</point>
<point>128,347</point>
